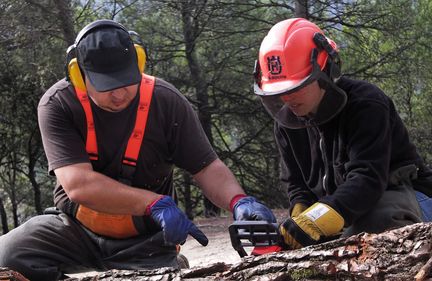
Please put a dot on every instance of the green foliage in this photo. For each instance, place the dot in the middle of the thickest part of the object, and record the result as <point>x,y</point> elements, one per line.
<point>207,50</point>
<point>391,51</point>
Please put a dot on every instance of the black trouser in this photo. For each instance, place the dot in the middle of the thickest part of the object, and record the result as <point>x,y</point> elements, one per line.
<point>47,246</point>
<point>397,206</point>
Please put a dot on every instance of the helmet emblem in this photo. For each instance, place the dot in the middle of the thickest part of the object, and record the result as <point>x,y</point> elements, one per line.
<point>274,65</point>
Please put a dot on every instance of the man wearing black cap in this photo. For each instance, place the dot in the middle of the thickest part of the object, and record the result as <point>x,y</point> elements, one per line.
<point>112,136</point>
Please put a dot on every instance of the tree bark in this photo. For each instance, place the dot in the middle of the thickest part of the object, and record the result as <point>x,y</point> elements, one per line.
<point>9,275</point>
<point>394,255</point>
<point>400,254</point>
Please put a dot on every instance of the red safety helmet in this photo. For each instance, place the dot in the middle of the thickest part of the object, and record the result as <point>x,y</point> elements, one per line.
<point>295,53</point>
<point>287,56</point>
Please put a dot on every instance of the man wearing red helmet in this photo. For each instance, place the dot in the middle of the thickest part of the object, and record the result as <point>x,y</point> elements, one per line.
<point>348,163</point>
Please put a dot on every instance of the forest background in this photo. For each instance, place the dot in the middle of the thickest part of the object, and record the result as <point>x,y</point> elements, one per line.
<point>207,49</point>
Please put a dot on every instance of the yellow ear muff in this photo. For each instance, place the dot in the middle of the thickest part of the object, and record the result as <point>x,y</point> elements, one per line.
<point>75,75</point>
<point>142,57</point>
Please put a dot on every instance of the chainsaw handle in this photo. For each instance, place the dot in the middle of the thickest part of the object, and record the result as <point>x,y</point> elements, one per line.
<point>253,234</point>
<point>235,242</point>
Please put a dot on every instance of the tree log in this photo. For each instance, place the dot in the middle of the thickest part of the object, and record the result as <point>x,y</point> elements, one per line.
<point>400,254</point>
<point>10,275</point>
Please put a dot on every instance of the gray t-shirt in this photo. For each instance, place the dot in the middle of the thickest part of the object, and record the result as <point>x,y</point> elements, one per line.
<point>173,136</point>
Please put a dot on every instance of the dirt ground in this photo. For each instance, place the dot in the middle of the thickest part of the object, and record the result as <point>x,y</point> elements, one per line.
<point>219,248</point>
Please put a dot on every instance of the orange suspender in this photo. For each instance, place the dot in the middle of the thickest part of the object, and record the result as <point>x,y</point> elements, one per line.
<point>135,139</point>
<point>91,145</point>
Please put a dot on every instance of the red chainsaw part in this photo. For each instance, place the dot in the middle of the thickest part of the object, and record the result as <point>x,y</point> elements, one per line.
<point>257,234</point>
<point>258,251</point>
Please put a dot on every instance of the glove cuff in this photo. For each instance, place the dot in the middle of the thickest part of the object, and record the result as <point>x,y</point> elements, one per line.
<point>298,209</point>
<point>147,211</point>
<point>235,199</point>
<point>294,236</point>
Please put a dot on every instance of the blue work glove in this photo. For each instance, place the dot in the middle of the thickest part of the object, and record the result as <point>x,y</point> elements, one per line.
<point>174,223</point>
<point>248,208</point>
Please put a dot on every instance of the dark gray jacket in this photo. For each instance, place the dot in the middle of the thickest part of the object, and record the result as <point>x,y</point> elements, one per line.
<point>346,162</point>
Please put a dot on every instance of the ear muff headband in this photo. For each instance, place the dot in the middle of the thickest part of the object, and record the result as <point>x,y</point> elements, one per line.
<point>73,72</point>
<point>97,24</point>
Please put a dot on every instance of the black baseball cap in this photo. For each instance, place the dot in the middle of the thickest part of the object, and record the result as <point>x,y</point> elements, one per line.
<point>108,58</point>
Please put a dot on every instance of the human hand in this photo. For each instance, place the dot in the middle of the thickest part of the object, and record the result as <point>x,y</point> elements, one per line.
<point>174,223</point>
<point>248,208</point>
<point>310,227</point>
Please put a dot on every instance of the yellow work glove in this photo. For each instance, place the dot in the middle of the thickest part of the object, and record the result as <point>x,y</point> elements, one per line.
<point>312,226</point>
<point>298,209</point>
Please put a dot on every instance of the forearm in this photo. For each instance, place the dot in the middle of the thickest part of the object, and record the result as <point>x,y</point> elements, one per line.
<point>107,195</point>
<point>218,184</point>
<point>101,193</point>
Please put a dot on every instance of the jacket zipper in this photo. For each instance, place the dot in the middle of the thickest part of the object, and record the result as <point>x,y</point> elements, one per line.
<point>324,159</point>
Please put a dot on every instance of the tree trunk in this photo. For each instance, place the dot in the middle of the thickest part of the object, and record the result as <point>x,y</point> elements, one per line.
<point>187,195</point>
<point>3,216</point>
<point>301,9</point>
<point>13,194</point>
<point>37,192</point>
<point>401,254</point>
<point>9,275</point>
<point>191,33</point>
<point>66,20</point>
<point>34,152</point>
<point>395,255</point>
